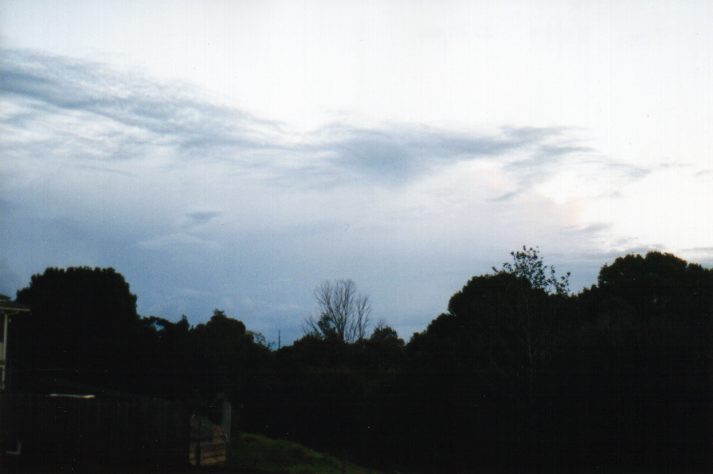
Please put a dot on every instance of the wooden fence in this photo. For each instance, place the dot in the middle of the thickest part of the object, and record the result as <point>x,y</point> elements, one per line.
<point>106,431</point>
<point>209,443</point>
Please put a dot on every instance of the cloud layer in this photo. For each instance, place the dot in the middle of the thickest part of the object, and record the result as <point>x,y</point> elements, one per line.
<point>202,206</point>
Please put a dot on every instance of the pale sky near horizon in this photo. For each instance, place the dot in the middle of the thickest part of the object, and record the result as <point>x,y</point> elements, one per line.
<point>233,155</point>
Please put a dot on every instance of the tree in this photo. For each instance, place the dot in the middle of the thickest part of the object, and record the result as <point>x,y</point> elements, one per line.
<point>528,264</point>
<point>343,312</point>
<point>83,325</point>
<point>384,334</point>
<point>647,333</point>
<point>505,327</point>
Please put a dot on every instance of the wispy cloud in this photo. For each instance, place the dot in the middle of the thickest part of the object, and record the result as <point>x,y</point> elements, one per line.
<point>202,217</point>
<point>109,168</point>
<point>398,154</point>
<point>85,116</point>
<point>89,112</point>
<point>54,85</point>
<point>561,151</point>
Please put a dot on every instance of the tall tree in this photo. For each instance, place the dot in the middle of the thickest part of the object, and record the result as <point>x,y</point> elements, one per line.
<point>83,324</point>
<point>343,312</point>
<point>643,362</point>
<point>487,361</point>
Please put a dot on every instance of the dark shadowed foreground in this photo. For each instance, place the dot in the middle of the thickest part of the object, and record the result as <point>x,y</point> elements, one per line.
<point>519,375</point>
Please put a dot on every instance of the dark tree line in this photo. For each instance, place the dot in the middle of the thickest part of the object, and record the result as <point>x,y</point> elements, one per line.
<point>83,333</point>
<point>518,375</point>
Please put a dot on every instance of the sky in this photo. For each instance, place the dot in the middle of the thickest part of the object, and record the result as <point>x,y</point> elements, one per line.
<point>236,154</point>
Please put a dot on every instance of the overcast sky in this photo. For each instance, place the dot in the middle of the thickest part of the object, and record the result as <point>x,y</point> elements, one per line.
<point>234,155</point>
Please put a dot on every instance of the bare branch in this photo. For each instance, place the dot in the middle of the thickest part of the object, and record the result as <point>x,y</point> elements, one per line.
<point>343,313</point>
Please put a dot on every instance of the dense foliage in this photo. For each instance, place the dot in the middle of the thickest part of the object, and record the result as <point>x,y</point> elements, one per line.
<point>519,374</point>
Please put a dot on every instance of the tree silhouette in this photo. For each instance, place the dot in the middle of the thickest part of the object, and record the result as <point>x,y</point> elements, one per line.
<point>518,375</point>
<point>83,324</point>
<point>528,264</point>
<point>642,362</point>
<point>343,312</point>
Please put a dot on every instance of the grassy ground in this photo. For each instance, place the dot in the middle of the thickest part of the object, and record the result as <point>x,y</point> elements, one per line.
<point>251,454</point>
<point>258,454</point>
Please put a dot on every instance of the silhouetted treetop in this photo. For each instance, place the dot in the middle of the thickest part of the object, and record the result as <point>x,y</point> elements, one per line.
<point>528,264</point>
<point>659,284</point>
<point>385,334</point>
<point>82,320</point>
<point>343,312</point>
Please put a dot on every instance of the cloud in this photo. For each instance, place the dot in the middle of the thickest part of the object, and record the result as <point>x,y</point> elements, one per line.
<point>45,89</point>
<point>109,168</point>
<point>88,112</point>
<point>558,151</point>
<point>202,217</point>
<point>399,154</point>
<point>587,229</point>
<point>177,241</point>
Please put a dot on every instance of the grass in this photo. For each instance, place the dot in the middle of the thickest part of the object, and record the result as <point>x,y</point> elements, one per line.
<point>259,454</point>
